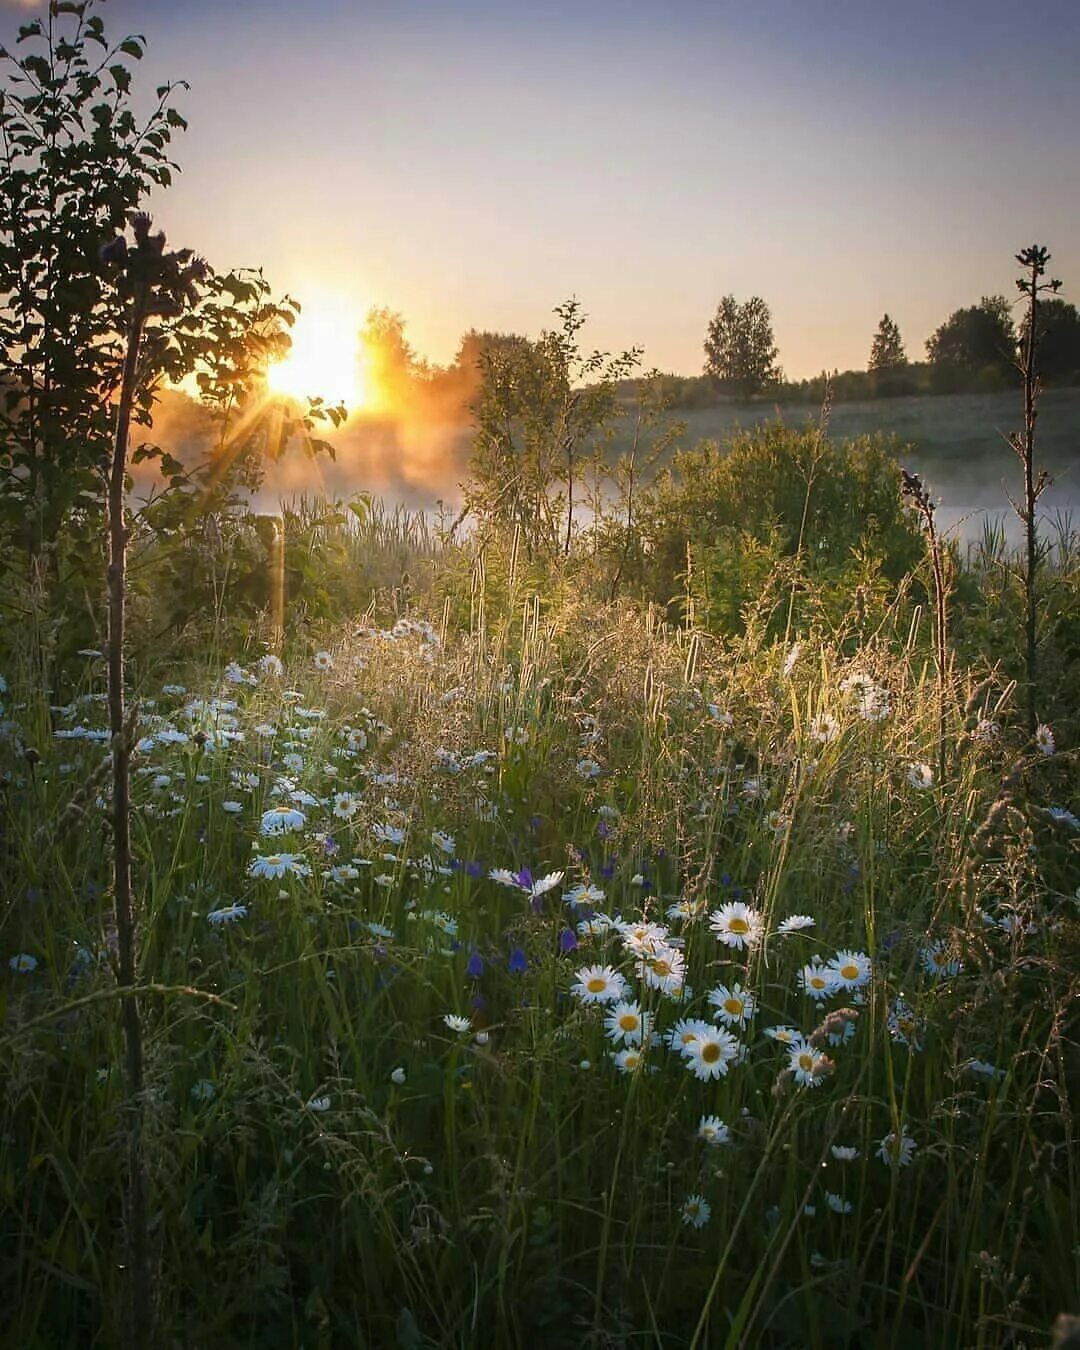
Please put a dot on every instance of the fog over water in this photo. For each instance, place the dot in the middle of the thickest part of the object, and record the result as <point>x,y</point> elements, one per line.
<point>418,459</point>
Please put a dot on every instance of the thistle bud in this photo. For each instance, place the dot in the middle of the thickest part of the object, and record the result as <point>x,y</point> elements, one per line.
<point>140,222</point>
<point>114,251</point>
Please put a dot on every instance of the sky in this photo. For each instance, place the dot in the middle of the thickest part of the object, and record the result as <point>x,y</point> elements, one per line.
<point>473,164</point>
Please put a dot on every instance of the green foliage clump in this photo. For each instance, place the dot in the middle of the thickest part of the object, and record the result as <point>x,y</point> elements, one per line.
<point>730,516</point>
<point>975,348</point>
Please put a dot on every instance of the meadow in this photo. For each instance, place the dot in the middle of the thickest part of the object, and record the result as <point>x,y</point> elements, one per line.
<point>520,968</point>
<point>639,906</point>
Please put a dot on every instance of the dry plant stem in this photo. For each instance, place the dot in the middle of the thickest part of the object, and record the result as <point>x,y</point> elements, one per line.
<point>914,488</point>
<point>1034,259</point>
<point>1027,456</point>
<point>140,1332</point>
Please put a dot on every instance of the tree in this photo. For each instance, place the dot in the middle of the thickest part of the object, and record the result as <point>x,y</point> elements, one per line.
<point>1058,340</point>
<point>542,406</point>
<point>740,353</point>
<point>887,350</point>
<point>889,375</point>
<point>74,161</point>
<point>975,347</point>
<point>391,366</point>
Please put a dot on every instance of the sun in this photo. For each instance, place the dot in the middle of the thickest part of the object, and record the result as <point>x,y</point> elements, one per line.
<point>323,362</point>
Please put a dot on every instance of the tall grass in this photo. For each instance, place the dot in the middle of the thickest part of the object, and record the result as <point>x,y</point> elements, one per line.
<point>332,1163</point>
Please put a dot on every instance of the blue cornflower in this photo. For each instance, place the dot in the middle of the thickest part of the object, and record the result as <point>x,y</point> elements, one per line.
<point>475,967</point>
<point>518,961</point>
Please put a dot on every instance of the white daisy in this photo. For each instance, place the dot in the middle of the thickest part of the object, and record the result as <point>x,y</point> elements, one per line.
<point>710,1053</point>
<point>625,1022</point>
<point>686,1031</point>
<point>228,914</point>
<point>456,1023</point>
<point>664,969</point>
<point>920,775</point>
<point>598,984</point>
<point>808,1068</point>
<point>938,961</point>
<point>281,819</point>
<point>734,1006</point>
<point>824,728</point>
<point>628,1060</point>
<point>713,1131</point>
<point>345,805</point>
<point>1044,739</point>
<point>277,865</point>
<point>695,1212</point>
<point>851,970</point>
<point>897,1150</point>
<point>323,661</point>
<point>794,923</point>
<point>737,925</point>
<point>785,1035</point>
<point>817,981</point>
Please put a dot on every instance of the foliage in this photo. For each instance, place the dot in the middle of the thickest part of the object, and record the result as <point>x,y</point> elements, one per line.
<point>782,490</point>
<point>887,350</point>
<point>1058,341</point>
<point>974,347</point>
<point>75,160</point>
<point>544,408</point>
<point>333,1163</point>
<point>740,353</point>
<point>890,375</point>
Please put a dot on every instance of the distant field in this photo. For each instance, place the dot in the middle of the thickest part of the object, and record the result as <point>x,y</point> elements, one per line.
<point>946,429</point>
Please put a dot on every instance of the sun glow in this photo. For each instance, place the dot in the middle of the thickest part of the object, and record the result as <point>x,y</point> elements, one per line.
<point>323,362</point>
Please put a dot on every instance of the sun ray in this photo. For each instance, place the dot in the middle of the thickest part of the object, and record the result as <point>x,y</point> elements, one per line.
<point>323,362</point>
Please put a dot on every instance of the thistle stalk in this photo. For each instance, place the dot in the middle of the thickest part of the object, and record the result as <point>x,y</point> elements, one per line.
<point>1034,259</point>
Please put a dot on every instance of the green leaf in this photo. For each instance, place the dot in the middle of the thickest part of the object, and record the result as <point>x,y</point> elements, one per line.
<point>132,47</point>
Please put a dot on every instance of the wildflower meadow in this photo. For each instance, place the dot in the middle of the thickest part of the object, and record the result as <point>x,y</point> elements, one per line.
<point>633,902</point>
<point>590,978</point>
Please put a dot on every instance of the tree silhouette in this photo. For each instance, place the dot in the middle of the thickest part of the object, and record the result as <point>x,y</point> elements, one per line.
<point>975,346</point>
<point>740,353</point>
<point>1058,339</point>
<point>887,350</point>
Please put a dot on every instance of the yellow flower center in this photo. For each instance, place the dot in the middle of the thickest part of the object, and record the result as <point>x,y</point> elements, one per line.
<point>274,860</point>
<point>710,1053</point>
<point>850,972</point>
<point>661,967</point>
<point>733,1006</point>
<point>738,926</point>
<point>596,985</point>
<point>806,1061</point>
<point>628,1022</point>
